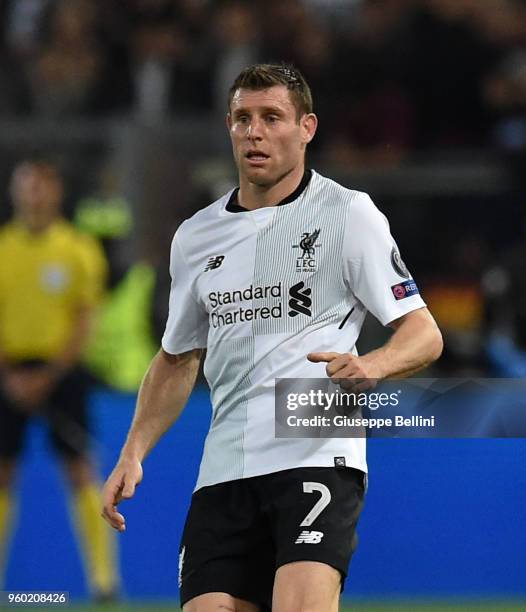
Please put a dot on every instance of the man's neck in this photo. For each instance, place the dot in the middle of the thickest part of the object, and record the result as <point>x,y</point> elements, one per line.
<point>34,229</point>
<point>252,196</point>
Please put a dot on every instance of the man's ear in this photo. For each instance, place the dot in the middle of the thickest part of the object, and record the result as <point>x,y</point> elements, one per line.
<point>229,121</point>
<point>309,124</point>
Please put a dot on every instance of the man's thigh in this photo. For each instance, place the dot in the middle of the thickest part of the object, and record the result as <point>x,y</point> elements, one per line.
<point>213,602</point>
<point>306,585</point>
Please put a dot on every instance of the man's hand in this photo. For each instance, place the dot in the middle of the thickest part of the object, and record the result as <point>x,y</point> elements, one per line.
<point>120,485</point>
<point>352,373</point>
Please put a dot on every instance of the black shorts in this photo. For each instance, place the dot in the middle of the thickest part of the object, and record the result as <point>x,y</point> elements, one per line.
<point>65,413</point>
<point>238,533</point>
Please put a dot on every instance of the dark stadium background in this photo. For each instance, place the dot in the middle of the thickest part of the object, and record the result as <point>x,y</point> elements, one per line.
<point>422,103</point>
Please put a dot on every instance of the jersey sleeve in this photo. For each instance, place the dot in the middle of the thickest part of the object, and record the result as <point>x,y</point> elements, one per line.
<point>187,324</point>
<point>373,268</point>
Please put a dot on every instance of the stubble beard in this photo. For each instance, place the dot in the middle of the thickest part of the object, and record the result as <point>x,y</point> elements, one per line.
<point>266,181</point>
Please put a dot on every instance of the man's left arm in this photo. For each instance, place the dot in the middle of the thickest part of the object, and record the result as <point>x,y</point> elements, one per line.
<point>378,278</point>
<point>415,344</point>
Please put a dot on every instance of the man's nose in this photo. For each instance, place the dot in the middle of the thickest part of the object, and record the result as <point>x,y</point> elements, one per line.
<point>254,130</point>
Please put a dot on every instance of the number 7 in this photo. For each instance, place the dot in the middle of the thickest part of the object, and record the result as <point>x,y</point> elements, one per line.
<point>320,505</point>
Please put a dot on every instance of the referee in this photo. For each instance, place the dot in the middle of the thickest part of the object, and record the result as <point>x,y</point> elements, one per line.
<point>274,280</point>
<point>51,278</point>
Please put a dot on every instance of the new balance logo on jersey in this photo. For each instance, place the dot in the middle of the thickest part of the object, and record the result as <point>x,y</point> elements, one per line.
<point>214,262</point>
<point>300,302</point>
<point>309,537</point>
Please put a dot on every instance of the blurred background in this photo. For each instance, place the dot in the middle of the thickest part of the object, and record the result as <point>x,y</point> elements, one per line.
<point>422,103</point>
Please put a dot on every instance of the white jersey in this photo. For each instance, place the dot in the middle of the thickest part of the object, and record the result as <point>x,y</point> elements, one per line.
<point>260,290</point>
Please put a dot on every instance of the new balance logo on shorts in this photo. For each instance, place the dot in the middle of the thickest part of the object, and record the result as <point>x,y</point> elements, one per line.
<point>214,262</point>
<point>309,537</point>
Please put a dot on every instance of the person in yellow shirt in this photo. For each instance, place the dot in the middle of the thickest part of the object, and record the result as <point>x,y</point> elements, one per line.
<point>51,279</point>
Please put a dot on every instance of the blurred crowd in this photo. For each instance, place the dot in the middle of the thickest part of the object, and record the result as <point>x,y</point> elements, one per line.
<point>389,76</point>
<point>392,80</point>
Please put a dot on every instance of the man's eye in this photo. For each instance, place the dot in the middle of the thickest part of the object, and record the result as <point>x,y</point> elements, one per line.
<point>243,119</point>
<point>272,118</point>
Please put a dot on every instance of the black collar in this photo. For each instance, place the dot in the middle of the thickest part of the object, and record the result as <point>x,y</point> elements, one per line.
<point>234,207</point>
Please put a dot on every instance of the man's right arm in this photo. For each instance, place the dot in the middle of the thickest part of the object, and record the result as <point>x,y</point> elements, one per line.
<point>162,397</point>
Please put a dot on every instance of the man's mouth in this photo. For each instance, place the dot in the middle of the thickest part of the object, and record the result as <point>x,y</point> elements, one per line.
<point>256,156</point>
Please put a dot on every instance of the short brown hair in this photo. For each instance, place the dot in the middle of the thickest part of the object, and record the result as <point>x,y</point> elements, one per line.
<point>263,76</point>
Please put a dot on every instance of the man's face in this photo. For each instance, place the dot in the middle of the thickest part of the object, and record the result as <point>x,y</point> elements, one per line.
<point>37,194</point>
<point>268,139</point>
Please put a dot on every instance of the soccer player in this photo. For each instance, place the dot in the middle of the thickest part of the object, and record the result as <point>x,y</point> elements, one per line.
<point>51,278</point>
<point>274,279</point>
